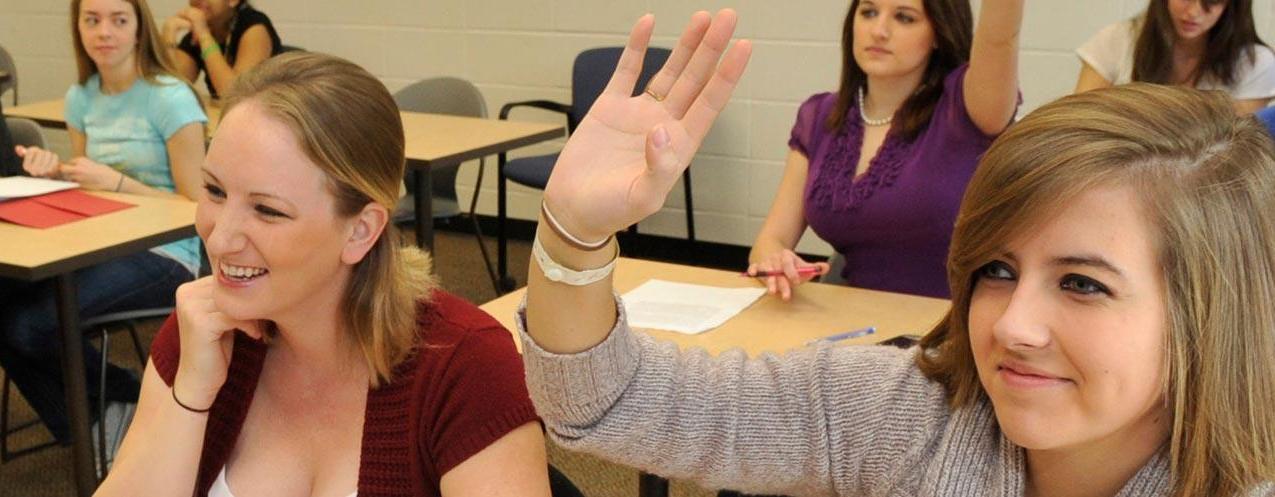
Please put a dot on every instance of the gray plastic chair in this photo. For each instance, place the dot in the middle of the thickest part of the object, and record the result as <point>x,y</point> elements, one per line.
<point>455,97</point>
<point>25,132</point>
<point>7,65</point>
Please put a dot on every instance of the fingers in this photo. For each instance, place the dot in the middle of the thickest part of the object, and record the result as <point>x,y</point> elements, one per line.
<point>663,166</point>
<point>662,82</point>
<point>716,94</point>
<point>823,269</point>
<point>630,64</point>
<point>198,312</point>
<point>38,162</point>
<point>702,64</point>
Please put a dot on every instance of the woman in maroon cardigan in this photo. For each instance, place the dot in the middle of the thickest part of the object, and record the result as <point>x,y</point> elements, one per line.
<point>319,359</point>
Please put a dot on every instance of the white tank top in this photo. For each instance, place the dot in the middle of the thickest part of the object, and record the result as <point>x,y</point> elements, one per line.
<point>221,489</point>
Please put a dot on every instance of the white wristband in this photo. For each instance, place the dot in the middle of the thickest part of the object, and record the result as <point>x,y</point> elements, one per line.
<point>561,274</point>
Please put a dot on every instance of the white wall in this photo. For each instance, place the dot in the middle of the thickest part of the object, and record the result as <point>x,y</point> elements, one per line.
<point>522,49</point>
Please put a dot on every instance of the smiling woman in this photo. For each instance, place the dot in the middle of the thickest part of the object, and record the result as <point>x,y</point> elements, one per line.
<point>319,359</point>
<point>1112,274</point>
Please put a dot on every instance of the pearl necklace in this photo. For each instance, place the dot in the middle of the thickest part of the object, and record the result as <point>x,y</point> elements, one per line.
<point>864,115</point>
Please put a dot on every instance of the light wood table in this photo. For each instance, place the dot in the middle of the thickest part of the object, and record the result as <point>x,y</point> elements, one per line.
<point>433,140</point>
<point>31,254</point>
<point>770,324</point>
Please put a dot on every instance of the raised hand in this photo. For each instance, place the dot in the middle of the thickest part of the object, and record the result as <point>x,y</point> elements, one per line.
<point>207,341</point>
<point>624,157</point>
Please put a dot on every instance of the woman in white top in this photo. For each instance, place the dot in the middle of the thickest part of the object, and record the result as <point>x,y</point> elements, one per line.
<point>1205,44</point>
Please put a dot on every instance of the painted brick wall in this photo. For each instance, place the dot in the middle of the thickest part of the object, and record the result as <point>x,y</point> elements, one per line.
<point>522,49</point>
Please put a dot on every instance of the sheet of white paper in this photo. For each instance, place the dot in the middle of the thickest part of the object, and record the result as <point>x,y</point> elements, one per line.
<point>685,308</point>
<point>22,186</point>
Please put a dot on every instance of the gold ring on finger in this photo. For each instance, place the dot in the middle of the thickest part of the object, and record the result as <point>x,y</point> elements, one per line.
<point>650,91</point>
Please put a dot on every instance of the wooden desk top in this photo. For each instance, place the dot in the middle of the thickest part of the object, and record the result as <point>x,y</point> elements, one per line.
<point>33,254</point>
<point>49,113</point>
<point>432,139</point>
<point>770,324</point>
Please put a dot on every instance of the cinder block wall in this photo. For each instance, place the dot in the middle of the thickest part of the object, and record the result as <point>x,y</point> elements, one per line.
<point>522,49</point>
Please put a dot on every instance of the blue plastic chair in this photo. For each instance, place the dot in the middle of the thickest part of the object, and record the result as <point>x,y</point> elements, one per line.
<point>589,76</point>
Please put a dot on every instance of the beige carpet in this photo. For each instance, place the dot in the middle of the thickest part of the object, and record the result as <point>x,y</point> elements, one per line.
<point>461,271</point>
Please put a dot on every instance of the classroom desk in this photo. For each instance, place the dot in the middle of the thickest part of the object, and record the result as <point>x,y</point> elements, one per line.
<point>33,254</point>
<point>433,140</point>
<point>770,324</point>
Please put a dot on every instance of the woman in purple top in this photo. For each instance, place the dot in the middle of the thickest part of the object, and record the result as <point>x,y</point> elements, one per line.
<point>878,168</point>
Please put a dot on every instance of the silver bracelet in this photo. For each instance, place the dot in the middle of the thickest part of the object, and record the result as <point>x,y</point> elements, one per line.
<point>558,273</point>
<point>566,235</point>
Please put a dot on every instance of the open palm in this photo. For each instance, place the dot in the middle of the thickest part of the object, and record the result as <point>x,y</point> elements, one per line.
<point>628,152</point>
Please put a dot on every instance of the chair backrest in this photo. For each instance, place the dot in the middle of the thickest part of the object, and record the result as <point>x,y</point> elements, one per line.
<point>443,95</point>
<point>25,132</point>
<point>7,66</point>
<point>593,70</point>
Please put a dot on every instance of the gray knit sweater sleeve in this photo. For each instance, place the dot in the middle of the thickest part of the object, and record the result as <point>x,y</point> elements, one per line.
<point>822,420</point>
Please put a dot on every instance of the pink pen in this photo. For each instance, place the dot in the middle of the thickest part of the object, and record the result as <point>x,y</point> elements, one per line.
<point>803,271</point>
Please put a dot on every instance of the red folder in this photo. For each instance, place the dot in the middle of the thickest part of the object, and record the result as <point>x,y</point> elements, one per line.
<point>52,209</point>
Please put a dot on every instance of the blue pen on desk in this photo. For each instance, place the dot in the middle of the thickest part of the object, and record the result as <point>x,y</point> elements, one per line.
<point>862,332</point>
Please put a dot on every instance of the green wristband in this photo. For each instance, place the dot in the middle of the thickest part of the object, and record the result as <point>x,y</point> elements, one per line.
<point>204,55</point>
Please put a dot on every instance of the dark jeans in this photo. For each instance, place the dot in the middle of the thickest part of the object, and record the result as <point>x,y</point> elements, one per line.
<point>30,351</point>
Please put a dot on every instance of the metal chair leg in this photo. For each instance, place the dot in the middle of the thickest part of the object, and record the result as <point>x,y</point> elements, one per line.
<point>507,283</point>
<point>478,231</point>
<point>137,345</point>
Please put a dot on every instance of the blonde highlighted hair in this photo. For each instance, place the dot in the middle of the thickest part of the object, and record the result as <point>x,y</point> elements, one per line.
<point>348,125</point>
<point>1207,180</point>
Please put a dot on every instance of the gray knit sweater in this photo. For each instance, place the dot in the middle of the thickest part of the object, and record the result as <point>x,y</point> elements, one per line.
<point>822,420</point>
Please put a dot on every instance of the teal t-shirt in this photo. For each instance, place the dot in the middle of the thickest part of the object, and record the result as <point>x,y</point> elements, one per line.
<point>129,132</point>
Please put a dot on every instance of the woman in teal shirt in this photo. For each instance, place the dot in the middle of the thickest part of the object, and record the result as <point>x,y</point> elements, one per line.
<point>135,128</point>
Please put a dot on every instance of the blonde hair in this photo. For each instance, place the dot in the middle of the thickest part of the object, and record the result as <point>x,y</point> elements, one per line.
<point>1207,179</point>
<point>349,126</point>
<point>152,60</point>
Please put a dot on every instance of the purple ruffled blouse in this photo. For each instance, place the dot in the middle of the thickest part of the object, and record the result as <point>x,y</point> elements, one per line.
<point>894,222</point>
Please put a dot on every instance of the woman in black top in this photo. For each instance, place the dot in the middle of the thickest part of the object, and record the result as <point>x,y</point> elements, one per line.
<point>223,38</point>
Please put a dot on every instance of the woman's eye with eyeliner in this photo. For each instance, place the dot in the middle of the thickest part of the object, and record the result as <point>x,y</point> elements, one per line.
<point>214,191</point>
<point>995,270</point>
<point>1083,285</point>
<point>266,211</point>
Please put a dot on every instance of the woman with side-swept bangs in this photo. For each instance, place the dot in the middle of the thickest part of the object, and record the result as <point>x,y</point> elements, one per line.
<point>1113,280</point>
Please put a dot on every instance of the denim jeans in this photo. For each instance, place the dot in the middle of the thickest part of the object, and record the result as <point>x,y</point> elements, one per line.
<point>30,351</point>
